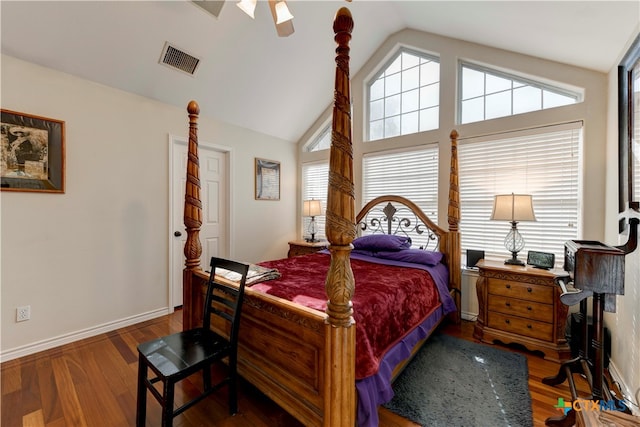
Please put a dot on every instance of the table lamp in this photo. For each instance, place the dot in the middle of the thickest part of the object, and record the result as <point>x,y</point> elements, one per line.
<point>513,208</point>
<point>312,208</point>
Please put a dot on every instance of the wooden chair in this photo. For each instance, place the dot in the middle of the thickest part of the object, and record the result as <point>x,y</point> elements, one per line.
<point>175,357</point>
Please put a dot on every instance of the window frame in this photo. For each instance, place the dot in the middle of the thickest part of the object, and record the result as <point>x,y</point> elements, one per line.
<point>553,87</point>
<point>376,76</point>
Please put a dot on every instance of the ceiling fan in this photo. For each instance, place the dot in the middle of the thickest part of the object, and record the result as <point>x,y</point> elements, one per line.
<point>282,17</point>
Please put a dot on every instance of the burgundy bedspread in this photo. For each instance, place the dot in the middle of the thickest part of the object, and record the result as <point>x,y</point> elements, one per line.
<point>388,300</point>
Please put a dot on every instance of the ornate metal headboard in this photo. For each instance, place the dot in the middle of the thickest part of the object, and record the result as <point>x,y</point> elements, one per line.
<point>398,216</point>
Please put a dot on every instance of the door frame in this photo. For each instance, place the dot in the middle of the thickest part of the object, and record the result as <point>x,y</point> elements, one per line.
<point>173,141</point>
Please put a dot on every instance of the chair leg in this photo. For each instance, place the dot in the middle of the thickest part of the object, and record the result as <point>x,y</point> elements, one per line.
<point>167,407</point>
<point>233,388</point>
<point>141,406</point>
<point>206,378</point>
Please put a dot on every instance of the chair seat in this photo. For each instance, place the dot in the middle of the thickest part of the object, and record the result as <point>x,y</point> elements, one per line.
<point>184,352</point>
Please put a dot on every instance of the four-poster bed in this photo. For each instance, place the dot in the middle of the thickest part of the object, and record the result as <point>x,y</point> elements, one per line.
<point>305,358</point>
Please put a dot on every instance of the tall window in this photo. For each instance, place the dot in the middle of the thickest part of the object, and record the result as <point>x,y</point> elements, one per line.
<point>541,162</point>
<point>405,97</point>
<point>488,94</point>
<point>315,179</point>
<point>412,174</point>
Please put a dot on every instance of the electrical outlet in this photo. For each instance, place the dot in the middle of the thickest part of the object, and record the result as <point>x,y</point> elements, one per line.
<point>23,313</point>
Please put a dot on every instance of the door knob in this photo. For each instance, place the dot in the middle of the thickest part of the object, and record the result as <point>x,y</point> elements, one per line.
<point>177,234</point>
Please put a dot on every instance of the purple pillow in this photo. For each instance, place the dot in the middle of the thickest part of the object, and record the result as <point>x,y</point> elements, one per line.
<point>382,242</point>
<point>363,252</point>
<point>416,256</point>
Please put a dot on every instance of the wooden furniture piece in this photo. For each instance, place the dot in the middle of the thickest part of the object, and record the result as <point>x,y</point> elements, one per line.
<point>175,357</point>
<point>302,247</point>
<point>521,305</point>
<point>596,271</point>
<point>304,359</point>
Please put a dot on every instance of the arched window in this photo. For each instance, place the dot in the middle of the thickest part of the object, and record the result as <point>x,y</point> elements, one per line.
<point>405,97</point>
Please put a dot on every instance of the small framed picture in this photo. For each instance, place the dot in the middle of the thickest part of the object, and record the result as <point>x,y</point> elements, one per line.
<point>31,153</point>
<point>267,179</point>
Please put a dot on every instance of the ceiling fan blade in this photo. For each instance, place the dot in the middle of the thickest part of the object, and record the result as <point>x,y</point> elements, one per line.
<point>285,29</point>
<point>212,6</point>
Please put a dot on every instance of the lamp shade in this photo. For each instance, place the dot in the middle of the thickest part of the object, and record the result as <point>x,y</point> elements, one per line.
<point>282,12</point>
<point>513,207</point>
<point>311,208</point>
<point>248,7</point>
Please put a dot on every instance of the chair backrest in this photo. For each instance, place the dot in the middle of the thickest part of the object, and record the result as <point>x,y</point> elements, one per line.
<point>223,302</point>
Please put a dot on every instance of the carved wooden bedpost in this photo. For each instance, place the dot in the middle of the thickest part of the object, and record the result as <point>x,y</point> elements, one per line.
<point>453,213</point>
<point>340,403</point>
<point>192,214</point>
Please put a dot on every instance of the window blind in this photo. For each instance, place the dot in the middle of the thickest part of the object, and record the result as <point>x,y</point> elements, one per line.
<point>315,179</point>
<point>543,162</point>
<point>410,173</point>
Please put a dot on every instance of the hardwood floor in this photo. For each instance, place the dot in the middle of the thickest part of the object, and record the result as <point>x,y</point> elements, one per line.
<point>93,383</point>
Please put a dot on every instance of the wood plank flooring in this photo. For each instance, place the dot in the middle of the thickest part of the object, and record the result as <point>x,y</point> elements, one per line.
<point>93,383</point>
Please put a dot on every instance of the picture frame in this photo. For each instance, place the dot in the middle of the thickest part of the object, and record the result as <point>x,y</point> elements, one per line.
<point>32,153</point>
<point>267,174</point>
<point>629,132</point>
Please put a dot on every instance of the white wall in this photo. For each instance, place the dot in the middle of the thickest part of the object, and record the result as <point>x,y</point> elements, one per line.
<point>624,324</point>
<point>95,258</point>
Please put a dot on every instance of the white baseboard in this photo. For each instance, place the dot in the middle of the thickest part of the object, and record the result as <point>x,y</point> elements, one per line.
<point>49,343</point>
<point>472,317</point>
<point>627,393</point>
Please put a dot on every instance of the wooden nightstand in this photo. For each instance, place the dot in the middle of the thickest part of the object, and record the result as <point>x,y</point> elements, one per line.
<point>302,247</point>
<point>521,305</point>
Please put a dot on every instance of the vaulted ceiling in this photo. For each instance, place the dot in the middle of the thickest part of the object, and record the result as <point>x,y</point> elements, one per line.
<point>250,77</point>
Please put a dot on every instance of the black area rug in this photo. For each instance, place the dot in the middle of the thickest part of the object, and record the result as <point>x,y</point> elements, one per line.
<point>453,382</point>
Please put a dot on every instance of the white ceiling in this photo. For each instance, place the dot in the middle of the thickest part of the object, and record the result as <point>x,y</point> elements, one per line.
<point>279,86</point>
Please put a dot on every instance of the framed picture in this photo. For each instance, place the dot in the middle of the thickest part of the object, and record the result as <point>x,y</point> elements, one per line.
<point>629,131</point>
<point>267,179</point>
<point>31,153</point>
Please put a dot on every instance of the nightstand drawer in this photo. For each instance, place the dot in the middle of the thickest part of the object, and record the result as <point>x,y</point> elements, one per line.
<point>522,308</point>
<point>513,289</point>
<point>520,326</point>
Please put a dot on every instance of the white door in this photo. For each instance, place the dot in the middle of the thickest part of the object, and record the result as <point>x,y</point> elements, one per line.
<point>214,166</point>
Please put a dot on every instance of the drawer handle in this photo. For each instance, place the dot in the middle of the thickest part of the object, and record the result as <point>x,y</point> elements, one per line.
<point>508,286</point>
<point>507,321</point>
<point>508,304</point>
<point>529,290</point>
<point>529,326</point>
<point>529,308</point>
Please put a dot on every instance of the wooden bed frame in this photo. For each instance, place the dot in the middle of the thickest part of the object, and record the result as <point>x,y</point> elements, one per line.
<point>301,358</point>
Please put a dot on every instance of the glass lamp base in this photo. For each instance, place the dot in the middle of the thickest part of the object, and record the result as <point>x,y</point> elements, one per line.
<point>514,260</point>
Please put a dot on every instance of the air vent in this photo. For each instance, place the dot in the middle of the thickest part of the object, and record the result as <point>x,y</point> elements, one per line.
<point>179,60</point>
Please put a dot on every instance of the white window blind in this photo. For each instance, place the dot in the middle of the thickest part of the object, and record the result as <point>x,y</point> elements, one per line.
<point>412,174</point>
<point>542,162</point>
<point>315,179</point>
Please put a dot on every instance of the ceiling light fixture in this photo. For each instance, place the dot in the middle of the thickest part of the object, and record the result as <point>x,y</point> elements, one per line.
<point>282,12</point>
<point>248,7</point>
<point>282,16</point>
